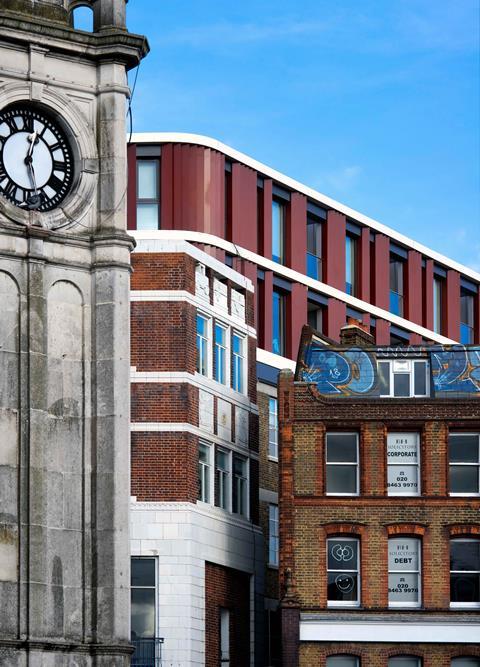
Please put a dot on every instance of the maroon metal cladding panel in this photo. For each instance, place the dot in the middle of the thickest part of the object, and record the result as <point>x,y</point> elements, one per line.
<point>382,332</point>
<point>364,266</point>
<point>296,318</point>
<point>132,186</point>
<point>166,187</point>
<point>267,218</point>
<point>296,236</point>
<point>244,206</point>
<point>267,314</point>
<point>413,287</point>
<point>381,295</point>
<point>428,294</point>
<point>452,315</point>
<point>336,318</point>
<point>335,251</point>
<point>198,189</point>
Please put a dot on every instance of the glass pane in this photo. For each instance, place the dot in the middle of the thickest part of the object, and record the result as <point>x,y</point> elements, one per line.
<point>342,661</point>
<point>237,344</point>
<point>350,267</point>
<point>222,460</point>
<point>143,612</point>
<point>342,554</point>
<point>403,587</point>
<point>402,480</point>
<point>143,572</point>
<point>465,588</point>
<point>201,326</point>
<point>203,451</point>
<point>342,586</point>
<point>404,661</point>
<point>466,309</point>
<point>464,479</point>
<point>402,448</point>
<point>341,479</point>
<point>420,378</point>
<point>341,447</point>
<point>147,216</point>
<point>383,370</point>
<point>314,266</point>
<point>239,466</point>
<point>147,179</point>
<point>277,231</point>
<point>278,326</point>
<point>437,305</point>
<point>403,553</point>
<point>465,555</point>
<point>465,662</point>
<point>463,448</point>
<point>466,334</point>
<point>396,303</point>
<point>401,384</point>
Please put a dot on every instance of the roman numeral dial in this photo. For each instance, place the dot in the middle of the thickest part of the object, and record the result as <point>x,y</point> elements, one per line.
<point>36,161</point>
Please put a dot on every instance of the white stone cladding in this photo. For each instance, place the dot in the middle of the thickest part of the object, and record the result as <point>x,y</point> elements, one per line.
<point>182,537</point>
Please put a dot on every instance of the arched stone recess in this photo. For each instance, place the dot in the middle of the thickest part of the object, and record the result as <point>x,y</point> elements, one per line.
<point>79,202</point>
<point>64,460</point>
<point>9,450</point>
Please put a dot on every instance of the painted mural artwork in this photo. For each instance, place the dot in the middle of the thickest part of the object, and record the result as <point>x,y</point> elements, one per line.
<point>340,372</point>
<point>456,369</point>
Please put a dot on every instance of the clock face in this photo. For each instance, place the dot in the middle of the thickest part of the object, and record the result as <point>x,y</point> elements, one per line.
<point>36,163</point>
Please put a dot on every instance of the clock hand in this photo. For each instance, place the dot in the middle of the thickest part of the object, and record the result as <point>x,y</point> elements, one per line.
<point>33,139</point>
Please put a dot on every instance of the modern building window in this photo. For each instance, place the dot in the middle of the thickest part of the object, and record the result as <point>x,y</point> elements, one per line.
<point>273,428</point>
<point>342,464</point>
<point>404,661</point>
<point>343,572</point>
<point>203,325</point>
<point>224,637</point>
<point>350,265</point>
<point>273,535</point>
<point>143,598</point>
<point>204,473</point>
<point>403,458</point>
<point>404,558</point>
<point>464,460</point>
<point>437,305</point>
<point>223,479</point>
<point>465,572</point>
<point>396,286</point>
<point>314,247</point>
<point>278,323</point>
<point>403,378</point>
<point>220,353</point>
<point>343,661</point>
<point>238,362</point>
<point>465,661</point>
<point>240,486</point>
<point>466,317</point>
<point>278,231</point>
<point>315,316</point>
<point>148,201</point>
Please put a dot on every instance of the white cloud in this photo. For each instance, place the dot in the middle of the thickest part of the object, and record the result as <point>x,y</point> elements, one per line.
<point>340,180</point>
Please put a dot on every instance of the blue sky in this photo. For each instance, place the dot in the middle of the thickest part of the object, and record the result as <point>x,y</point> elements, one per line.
<point>374,102</point>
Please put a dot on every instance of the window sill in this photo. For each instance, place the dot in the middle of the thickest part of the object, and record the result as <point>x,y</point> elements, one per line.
<point>343,605</point>
<point>274,459</point>
<point>273,567</point>
<point>465,605</point>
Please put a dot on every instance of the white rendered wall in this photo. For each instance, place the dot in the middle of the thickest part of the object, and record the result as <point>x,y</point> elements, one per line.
<point>182,536</point>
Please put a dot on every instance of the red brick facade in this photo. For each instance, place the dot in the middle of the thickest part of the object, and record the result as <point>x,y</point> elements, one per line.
<point>227,589</point>
<point>308,517</point>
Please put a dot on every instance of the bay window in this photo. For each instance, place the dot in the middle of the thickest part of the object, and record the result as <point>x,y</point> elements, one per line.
<point>404,572</point>
<point>343,572</point>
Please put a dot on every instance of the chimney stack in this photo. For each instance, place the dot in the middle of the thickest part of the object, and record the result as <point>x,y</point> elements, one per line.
<point>355,334</point>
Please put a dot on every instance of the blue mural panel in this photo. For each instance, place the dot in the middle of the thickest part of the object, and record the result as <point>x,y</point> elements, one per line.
<point>339,372</point>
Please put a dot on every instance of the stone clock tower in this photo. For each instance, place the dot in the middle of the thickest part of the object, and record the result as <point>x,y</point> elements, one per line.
<point>64,334</point>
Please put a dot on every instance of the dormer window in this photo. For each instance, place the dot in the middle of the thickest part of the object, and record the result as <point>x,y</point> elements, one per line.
<point>403,378</point>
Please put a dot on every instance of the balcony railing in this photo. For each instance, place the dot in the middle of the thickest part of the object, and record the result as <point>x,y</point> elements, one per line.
<point>147,653</point>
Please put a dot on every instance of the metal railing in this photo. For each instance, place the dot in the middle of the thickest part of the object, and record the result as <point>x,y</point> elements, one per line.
<point>147,653</point>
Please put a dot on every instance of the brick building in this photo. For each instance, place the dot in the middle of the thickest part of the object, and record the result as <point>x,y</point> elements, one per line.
<point>380,504</point>
<point>197,560</point>
<point>308,259</point>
